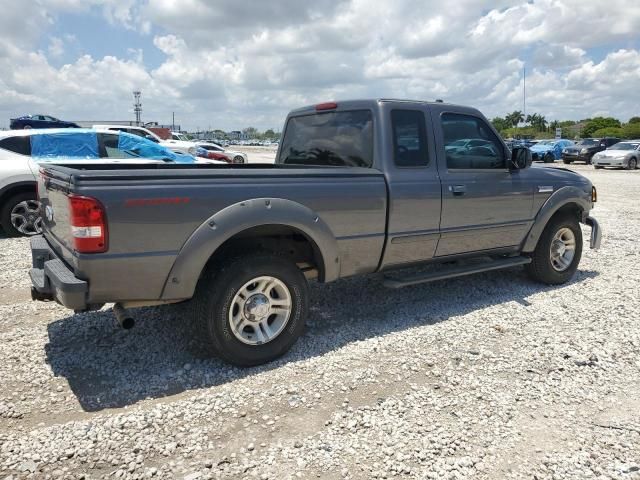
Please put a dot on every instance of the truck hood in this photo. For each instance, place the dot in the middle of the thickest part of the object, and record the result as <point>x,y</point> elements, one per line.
<point>560,176</point>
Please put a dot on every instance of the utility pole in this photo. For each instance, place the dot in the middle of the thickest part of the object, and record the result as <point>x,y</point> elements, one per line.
<point>137,106</point>
<point>173,121</point>
<point>524,92</point>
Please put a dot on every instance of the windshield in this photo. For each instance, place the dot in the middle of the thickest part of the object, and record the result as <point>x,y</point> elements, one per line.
<point>545,142</point>
<point>458,143</point>
<point>179,136</point>
<point>329,139</point>
<point>624,146</point>
<point>588,142</point>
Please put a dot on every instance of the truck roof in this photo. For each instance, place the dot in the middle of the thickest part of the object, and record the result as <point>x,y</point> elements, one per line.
<point>367,103</point>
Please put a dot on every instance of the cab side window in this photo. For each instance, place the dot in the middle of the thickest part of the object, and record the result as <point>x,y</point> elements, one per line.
<point>469,143</point>
<point>409,138</point>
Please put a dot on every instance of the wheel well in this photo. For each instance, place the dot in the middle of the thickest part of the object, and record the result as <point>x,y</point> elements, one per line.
<point>15,190</point>
<point>280,239</point>
<point>570,209</point>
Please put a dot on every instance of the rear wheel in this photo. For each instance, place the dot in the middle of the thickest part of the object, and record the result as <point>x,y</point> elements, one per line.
<point>598,167</point>
<point>549,158</point>
<point>557,255</point>
<point>20,215</point>
<point>27,127</point>
<point>250,309</point>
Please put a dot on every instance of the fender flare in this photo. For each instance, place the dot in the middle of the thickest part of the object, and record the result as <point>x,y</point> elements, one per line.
<point>234,219</point>
<point>555,202</point>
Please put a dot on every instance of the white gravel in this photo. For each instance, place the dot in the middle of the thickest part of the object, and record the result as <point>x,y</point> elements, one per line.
<point>486,377</point>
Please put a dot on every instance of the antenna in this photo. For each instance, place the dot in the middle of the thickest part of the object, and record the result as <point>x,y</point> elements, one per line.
<point>137,106</point>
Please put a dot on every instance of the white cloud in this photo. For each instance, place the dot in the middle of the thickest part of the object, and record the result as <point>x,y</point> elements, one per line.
<point>233,63</point>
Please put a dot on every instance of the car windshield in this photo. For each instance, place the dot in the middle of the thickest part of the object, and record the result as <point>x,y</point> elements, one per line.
<point>624,146</point>
<point>458,143</point>
<point>545,142</point>
<point>588,142</point>
<point>179,136</point>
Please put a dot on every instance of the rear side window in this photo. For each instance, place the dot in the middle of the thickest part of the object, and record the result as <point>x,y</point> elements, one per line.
<point>329,139</point>
<point>21,145</point>
<point>469,143</point>
<point>409,138</point>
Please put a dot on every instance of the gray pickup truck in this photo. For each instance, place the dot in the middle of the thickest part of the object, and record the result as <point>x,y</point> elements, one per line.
<point>358,187</point>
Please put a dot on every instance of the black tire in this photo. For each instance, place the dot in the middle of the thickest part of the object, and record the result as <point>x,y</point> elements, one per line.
<point>214,298</point>
<point>566,161</point>
<point>632,164</point>
<point>5,213</point>
<point>549,158</point>
<point>598,167</point>
<point>588,160</point>
<point>541,268</point>
<point>238,159</point>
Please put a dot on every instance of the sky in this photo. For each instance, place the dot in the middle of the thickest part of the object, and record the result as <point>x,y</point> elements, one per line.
<point>231,64</point>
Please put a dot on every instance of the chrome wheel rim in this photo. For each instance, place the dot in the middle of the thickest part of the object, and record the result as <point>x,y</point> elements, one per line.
<point>25,217</point>
<point>563,249</point>
<point>260,310</point>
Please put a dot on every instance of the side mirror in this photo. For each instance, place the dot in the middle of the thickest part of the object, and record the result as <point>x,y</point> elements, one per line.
<point>520,158</point>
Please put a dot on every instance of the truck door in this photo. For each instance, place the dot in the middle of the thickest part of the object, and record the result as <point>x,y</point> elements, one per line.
<point>485,206</point>
<point>413,183</point>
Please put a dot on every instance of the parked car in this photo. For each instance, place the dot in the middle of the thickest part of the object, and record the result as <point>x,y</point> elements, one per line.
<point>241,240</point>
<point>21,151</point>
<point>39,121</point>
<point>549,151</point>
<point>174,144</point>
<point>585,149</point>
<point>214,151</point>
<point>623,154</point>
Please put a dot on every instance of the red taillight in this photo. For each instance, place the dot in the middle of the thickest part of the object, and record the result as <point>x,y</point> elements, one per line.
<point>327,106</point>
<point>88,224</point>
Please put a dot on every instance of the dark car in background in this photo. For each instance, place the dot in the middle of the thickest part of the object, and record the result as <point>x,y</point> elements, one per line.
<point>585,149</point>
<point>39,121</point>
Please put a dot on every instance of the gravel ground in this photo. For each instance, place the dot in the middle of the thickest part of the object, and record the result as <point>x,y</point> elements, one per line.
<point>485,377</point>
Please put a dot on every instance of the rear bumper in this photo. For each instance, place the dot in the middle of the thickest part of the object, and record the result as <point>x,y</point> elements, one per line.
<point>51,279</point>
<point>596,233</point>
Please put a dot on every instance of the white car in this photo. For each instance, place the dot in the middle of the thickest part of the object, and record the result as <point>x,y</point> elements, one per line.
<point>622,154</point>
<point>21,151</point>
<point>177,143</point>
<point>218,152</point>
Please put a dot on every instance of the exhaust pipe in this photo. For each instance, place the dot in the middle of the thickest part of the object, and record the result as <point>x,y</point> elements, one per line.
<point>124,318</point>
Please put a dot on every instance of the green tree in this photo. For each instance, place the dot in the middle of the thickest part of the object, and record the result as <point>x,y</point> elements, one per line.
<point>631,130</point>
<point>500,123</point>
<point>634,120</point>
<point>251,132</point>
<point>608,132</point>
<point>269,133</point>
<point>598,123</point>
<point>514,118</point>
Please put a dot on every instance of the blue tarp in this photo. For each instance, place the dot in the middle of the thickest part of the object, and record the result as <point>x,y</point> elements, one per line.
<point>139,146</point>
<point>71,144</point>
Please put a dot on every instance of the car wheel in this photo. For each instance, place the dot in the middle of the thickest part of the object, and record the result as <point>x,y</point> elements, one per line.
<point>632,164</point>
<point>566,161</point>
<point>238,159</point>
<point>27,127</point>
<point>250,309</point>
<point>549,158</point>
<point>598,167</point>
<point>557,255</point>
<point>588,160</point>
<point>20,215</point>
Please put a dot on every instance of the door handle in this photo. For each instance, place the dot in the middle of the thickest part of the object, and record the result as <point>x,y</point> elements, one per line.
<point>458,190</point>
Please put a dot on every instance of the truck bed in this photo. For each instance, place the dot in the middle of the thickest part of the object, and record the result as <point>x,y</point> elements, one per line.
<point>153,210</point>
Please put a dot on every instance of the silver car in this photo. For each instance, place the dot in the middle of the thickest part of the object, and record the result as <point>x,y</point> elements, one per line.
<point>622,154</point>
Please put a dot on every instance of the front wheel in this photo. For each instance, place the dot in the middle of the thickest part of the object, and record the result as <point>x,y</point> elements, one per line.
<point>632,164</point>
<point>557,255</point>
<point>598,167</point>
<point>251,309</point>
<point>566,161</point>
<point>549,158</point>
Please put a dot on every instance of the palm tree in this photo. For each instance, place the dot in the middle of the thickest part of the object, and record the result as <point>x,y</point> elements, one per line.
<point>515,118</point>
